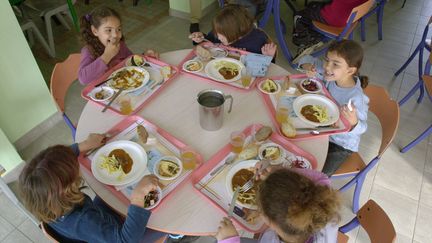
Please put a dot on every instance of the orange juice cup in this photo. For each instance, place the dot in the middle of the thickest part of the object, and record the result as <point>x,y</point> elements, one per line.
<point>246,77</point>
<point>188,158</point>
<point>237,142</point>
<point>125,104</point>
<point>282,111</point>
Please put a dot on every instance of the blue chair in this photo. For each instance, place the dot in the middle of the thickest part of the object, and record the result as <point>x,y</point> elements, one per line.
<point>424,44</point>
<point>374,221</point>
<point>387,112</point>
<point>379,10</point>
<point>63,75</point>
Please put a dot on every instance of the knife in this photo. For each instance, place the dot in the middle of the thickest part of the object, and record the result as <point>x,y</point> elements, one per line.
<point>112,99</point>
<point>233,202</point>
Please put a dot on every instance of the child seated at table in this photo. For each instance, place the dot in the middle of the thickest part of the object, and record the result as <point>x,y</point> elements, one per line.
<point>51,185</point>
<point>234,26</point>
<point>101,31</point>
<point>340,72</point>
<point>298,205</point>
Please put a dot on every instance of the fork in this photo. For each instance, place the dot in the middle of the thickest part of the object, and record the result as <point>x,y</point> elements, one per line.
<point>249,184</point>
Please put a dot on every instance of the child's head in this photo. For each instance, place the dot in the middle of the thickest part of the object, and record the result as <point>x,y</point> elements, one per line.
<point>232,23</point>
<point>100,27</point>
<point>294,206</point>
<point>343,60</point>
<point>50,183</point>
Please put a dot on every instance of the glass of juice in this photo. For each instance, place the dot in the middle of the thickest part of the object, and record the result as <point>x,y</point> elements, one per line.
<point>246,77</point>
<point>237,142</point>
<point>125,104</point>
<point>282,112</point>
<point>188,158</point>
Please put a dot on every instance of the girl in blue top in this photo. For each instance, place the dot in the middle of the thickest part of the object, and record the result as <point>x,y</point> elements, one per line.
<point>340,70</point>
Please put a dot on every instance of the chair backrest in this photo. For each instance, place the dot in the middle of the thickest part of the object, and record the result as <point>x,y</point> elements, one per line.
<point>387,112</point>
<point>63,75</point>
<point>342,238</point>
<point>361,10</point>
<point>376,223</point>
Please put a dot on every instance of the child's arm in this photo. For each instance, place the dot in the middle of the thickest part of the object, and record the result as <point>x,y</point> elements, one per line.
<point>227,233</point>
<point>90,68</point>
<point>358,116</point>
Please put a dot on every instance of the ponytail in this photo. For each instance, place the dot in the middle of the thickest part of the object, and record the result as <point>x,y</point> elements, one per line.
<point>364,81</point>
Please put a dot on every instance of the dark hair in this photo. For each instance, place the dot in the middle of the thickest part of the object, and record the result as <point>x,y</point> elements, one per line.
<point>296,204</point>
<point>233,21</point>
<point>50,183</point>
<point>95,18</point>
<point>352,52</point>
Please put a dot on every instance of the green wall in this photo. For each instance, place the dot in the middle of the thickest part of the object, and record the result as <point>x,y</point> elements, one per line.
<point>183,5</point>
<point>25,100</point>
<point>9,157</point>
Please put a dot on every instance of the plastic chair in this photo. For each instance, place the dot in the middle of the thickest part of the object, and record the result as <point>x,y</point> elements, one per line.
<point>424,44</point>
<point>375,221</point>
<point>387,112</point>
<point>29,27</point>
<point>428,83</point>
<point>339,33</point>
<point>63,75</point>
<point>379,10</point>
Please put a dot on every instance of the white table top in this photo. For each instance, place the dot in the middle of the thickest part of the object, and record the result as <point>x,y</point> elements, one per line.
<point>175,109</point>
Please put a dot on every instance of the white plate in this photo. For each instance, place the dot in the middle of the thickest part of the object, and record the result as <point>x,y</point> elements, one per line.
<point>135,151</point>
<point>297,161</point>
<point>319,86</point>
<point>240,165</point>
<point>159,190</point>
<point>314,99</point>
<point>217,52</point>
<point>128,62</point>
<point>212,69</point>
<point>265,91</point>
<point>193,61</point>
<point>108,93</point>
<point>144,79</point>
<point>170,158</point>
<point>272,161</point>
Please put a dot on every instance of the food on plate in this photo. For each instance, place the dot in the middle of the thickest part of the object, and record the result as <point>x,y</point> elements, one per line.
<point>298,162</point>
<point>310,85</point>
<point>151,199</point>
<point>228,70</point>
<point>137,60</point>
<point>239,179</point>
<point>203,53</point>
<point>127,79</point>
<point>218,52</point>
<point>101,95</point>
<point>315,113</point>
<point>271,152</point>
<point>166,72</point>
<point>193,66</point>
<point>168,168</point>
<point>249,152</point>
<point>269,86</point>
<point>288,129</point>
<point>142,133</point>
<point>123,158</point>
<point>263,133</point>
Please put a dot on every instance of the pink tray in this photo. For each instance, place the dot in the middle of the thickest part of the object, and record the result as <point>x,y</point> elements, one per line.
<point>202,76</point>
<point>343,123</point>
<point>173,142</point>
<point>201,177</point>
<point>144,97</point>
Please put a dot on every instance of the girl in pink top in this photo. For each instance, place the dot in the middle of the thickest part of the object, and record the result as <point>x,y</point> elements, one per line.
<point>297,205</point>
<point>101,31</point>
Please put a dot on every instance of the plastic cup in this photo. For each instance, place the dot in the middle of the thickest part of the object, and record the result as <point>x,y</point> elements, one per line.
<point>282,112</point>
<point>188,158</point>
<point>246,77</point>
<point>237,142</point>
<point>125,104</point>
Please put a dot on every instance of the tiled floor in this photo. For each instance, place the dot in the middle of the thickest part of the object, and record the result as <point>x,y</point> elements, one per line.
<point>401,183</point>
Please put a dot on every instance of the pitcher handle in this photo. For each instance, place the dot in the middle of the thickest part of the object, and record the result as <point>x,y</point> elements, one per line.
<point>231,101</point>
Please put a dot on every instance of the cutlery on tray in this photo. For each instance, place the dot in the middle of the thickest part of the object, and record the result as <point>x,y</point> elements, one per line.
<point>112,99</point>
<point>233,202</point>
<point>249,184</point>
<point>228,161</point>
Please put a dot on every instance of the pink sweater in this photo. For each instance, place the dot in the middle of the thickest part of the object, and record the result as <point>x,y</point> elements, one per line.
<point>92,68</point>
<point>337,12</point>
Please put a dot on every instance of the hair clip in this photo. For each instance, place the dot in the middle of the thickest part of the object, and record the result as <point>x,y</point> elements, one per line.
<point>88,17</point>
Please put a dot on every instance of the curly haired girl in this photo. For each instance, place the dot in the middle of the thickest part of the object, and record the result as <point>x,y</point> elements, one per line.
<point>297,205</point>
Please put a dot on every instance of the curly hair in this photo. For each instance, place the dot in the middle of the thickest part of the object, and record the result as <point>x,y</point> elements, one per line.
<point>233,22</point>
<point>296,204</point>
<point>95,18</point>
<point>50,183</point>
<point>352,53</point>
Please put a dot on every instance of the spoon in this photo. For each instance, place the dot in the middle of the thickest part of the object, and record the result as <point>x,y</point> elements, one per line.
<point>349,105</point>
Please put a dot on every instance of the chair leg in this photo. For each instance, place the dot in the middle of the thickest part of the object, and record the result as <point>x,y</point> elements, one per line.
<point>403,4</point>
<point>279,33</point>
<point>70,125</point>
<point>419,46</point>
<point>362,29</point>
<point>380,19</point>
<point>62,21</point>
<point>263,21</point>
<point>349,226</point>
<point>357,191</point>
<point>422,136</point>
<point>411,93</point>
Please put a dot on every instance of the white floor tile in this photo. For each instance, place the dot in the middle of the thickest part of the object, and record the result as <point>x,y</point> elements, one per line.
<point>16,237</point>
<point>423,231</point>
<point>32,231</point>
<point>426,190</point>
<point>10,212</point>
<point>5,228</point>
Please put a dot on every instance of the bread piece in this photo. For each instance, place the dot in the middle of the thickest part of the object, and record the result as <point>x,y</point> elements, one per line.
<point>142,134</point>
<point>288,130</point>
<point>203,53</point>
<point>249,152</point>
<point>263,133</point>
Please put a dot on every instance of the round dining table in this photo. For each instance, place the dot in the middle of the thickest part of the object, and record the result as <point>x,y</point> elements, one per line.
<point>175,110</point>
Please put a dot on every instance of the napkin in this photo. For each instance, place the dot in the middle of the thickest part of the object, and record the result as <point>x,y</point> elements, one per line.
<point>257,64</point>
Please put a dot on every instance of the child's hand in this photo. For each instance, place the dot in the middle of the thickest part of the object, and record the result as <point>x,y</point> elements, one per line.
<point>111,50</point>
<point>94,140</point>
<point>152,53</point>
<point>262,175</point>
<point>310,69</point>
<point>197,37</point>
<point>269,49</point>
<point>226,230</point>
<point>351,116</point>
<point>147,184</point>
